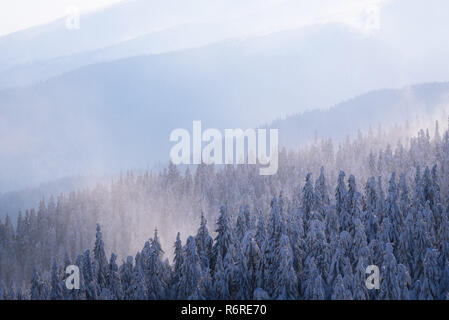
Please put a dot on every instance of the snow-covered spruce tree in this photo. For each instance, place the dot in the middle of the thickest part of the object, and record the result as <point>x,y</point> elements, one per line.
<point>126,274</point>
<point>55,291</point>
<point>286,281</point>
<point>295,227</point>
<point>224,237</point>
<point>100,260</point>
<point>2,291</point>
<point>8,255</point>
<point>404,282</point>
<point>250,261</point>
<point>190,281</point>
<point>332,224</point>
<point>371,219</point>
<point>207,289</point>
<point>380,205</point>
<point>261,232</point>
<point>420,245</point>
<point>90,282</point>
<point>321,193</point>
<point>8,293</point>
<point>419,199</point>
<point>113,280</point>
<point>340,292</point>
<point>242,224</point>
<point>13,294</point>
<point>352,203</point>
<point>406,243</point>
<point>137,289</point>
<point>38,290</point>
<point>428,189</point>
<point>204,243</point>
<point>220,284</point>
<point>340,263</point>
<point>166,277</point>
<point>360,246</point>
<point>346,243</point>
<point>436,205</point>
<point>444,285</point>
<point>313,285</point>
<point>443,236</point>
<point>385,233</point>
<point>430,280</point>
<point>260,294</point>
<point>178,260</point>
<point>20,295</point>
<point>316,246</point>
<point>443,247</point>
<point>154,269</point>
<point>360,291</point>
<point>276,229</point>
<point>263,268</point>
<point>243,288</point>
<point>308,197</point>
<point>340,193</point>
<point>231,271</point>
<point>389,282</point>
<point>393,213</point>
<point>404,198</point>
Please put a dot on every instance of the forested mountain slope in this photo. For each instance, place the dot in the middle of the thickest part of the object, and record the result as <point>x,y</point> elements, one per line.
<point>293,235</point>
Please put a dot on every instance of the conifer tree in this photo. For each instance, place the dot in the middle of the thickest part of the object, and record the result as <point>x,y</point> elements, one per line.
<point>204,243</point>
<point>286,281</point>
<point>113,280</point>
<point>100,259</point>
<point>191,271</point>
<point>224,236</point>
<point>220,284</point>
<point>56,292</point>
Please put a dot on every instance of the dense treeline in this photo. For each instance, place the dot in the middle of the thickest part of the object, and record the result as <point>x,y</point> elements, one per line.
<point>313,240</point>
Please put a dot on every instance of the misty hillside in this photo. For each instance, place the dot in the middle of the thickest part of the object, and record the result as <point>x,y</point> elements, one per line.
<point>84,120</point>
<point>102,28</point>
<point>387,107</point>
<point>11,203</point>
<point>91,133</point>
<point>389,52</point>
<point>160,41</point>
<point>346,199</point>
<point>311,53</point>
<point>324,216</point>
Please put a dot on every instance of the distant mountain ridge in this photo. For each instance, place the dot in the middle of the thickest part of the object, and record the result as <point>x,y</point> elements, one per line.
<point>386,107</point>
<point>100,28</point>
<point>108,116</point>
<point>157,42</point>
<point>87,118</point>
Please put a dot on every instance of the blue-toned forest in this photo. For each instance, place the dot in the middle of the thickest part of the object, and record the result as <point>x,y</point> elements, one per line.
<point>308,232</point>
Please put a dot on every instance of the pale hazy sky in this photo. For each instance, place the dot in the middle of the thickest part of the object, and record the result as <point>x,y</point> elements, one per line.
<point>21,14</point>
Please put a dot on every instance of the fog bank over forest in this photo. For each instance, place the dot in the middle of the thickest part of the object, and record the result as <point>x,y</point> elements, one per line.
<point>86,107</point>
